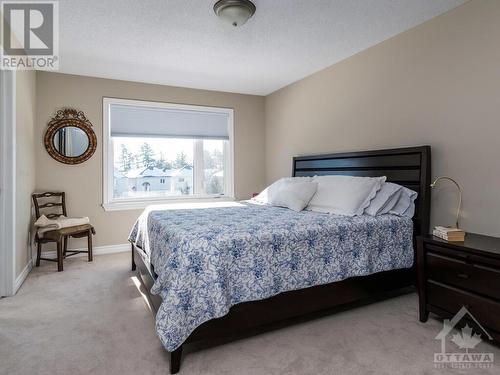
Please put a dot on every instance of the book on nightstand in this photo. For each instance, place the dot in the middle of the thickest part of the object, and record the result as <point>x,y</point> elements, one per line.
<point>449,234</point>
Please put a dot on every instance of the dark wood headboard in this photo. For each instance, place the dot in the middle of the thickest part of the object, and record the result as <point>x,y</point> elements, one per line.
<point>410,167</point>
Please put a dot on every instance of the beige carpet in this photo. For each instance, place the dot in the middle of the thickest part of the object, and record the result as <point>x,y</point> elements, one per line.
<point>91,319</point>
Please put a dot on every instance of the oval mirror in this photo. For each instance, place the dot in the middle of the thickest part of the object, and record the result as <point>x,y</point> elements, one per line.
<point>69,137</point>
<point>70,141</point>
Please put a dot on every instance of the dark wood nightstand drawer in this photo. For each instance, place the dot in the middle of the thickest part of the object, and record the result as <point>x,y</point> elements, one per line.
<point>463,255</point>
<point>458,272</point>
<point>450,299</point>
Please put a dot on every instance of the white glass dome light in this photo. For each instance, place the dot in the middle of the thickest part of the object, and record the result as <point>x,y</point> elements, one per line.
<point>235,12</point>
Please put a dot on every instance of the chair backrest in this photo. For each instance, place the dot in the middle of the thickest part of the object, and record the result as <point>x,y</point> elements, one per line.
<point>43,201</point>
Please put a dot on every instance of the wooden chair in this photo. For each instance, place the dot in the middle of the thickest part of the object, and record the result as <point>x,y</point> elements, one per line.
<point>59,236</point>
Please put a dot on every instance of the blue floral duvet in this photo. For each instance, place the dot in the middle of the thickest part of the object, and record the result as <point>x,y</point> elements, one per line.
<point>211,258</point>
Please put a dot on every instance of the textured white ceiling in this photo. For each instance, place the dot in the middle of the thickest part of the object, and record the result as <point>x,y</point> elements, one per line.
<point>182,42</point>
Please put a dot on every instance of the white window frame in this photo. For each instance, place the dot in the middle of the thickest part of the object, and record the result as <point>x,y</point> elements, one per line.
<point>110,204</point>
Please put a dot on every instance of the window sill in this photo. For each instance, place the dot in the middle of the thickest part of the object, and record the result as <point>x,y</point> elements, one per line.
<point>141,204</point>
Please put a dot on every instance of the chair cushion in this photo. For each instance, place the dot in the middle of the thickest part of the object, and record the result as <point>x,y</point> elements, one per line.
<point>56,235</point>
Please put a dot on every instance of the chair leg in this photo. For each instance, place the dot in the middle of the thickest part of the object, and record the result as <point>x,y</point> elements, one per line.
<point>38,253</point>
<point>59,255</point>
<point>65,245</point>
<point>89,241</point>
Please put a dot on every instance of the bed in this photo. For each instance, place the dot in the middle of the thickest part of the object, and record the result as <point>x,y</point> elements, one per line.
<point>239,267</point>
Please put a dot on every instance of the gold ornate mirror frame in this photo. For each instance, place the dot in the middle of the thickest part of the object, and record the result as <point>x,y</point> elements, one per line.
<point>69,117</point>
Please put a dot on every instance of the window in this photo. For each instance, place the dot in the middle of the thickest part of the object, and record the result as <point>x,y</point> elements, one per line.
<point>159,152</point>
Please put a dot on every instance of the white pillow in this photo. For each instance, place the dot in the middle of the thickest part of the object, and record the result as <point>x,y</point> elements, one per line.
<point>271,192</point>
<point>344,195</point>
<point>385,199</point>
<point>391,203</point>
<point>265,195</point>
<point>405,205</point>
<point>294,195</point>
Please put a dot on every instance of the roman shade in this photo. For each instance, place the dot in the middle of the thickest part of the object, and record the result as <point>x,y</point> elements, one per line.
<point>144,121</point>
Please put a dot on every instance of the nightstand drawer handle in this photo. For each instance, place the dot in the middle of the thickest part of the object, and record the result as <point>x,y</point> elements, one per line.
<point>463,275</point>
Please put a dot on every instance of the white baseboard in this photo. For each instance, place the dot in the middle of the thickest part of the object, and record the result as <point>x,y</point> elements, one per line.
<point>97,250</point>
<point>22,276</point>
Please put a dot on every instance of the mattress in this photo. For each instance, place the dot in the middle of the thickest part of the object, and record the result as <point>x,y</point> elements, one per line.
<point>210,258</point>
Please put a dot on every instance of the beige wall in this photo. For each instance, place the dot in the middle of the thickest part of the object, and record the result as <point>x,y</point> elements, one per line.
<point>25,164</point>
<point>83,183</point>
<point>436,84</point>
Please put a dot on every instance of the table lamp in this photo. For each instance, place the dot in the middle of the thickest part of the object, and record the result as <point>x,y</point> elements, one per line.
<point>459,193</point>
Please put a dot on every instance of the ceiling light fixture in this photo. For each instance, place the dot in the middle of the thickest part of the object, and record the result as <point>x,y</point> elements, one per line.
<point>236,12</point>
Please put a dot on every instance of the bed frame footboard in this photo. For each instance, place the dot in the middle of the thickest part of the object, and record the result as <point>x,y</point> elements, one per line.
<point>134,267</point>
<point>175,360</point>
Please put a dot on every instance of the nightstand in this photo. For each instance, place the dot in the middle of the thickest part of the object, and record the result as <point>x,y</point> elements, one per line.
<point>456,274</point>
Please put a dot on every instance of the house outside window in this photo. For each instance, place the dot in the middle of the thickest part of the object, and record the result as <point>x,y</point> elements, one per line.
<point>161,152</point>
